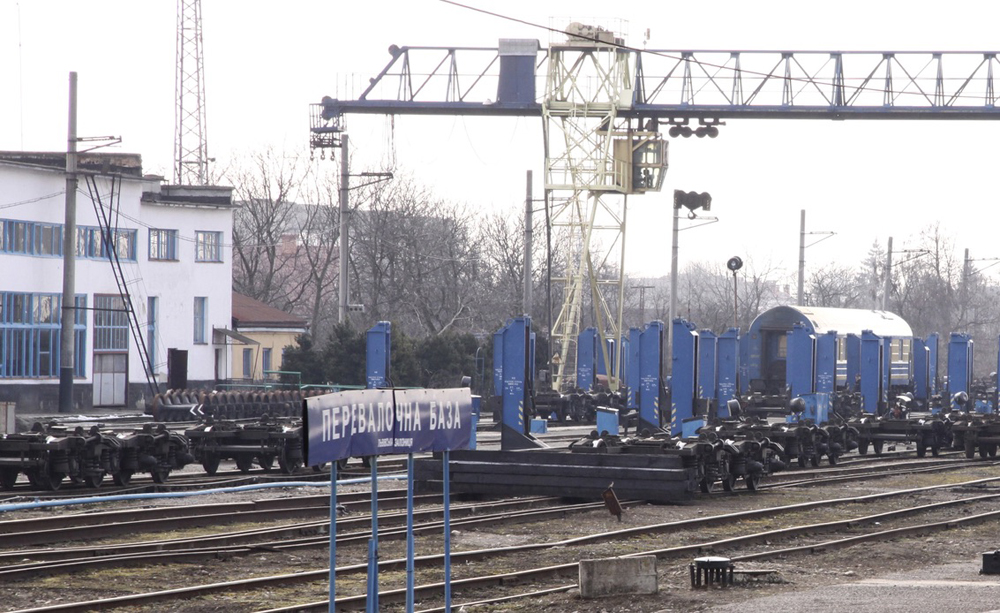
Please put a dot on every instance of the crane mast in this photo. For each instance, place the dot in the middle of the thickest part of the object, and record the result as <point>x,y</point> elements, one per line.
<point>590,167</point>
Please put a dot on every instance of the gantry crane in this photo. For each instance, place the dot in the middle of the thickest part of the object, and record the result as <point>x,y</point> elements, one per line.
<point>602,107</point>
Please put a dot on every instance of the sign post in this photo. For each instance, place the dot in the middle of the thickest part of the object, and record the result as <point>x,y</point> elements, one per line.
<point>377,421</point>
<point>333,536</point>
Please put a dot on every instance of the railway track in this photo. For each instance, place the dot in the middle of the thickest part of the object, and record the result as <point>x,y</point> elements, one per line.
<point>569,547</point>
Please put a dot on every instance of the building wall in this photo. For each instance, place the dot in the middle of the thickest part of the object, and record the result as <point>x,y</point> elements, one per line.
<point>175,284</point>
<point>275,340</point>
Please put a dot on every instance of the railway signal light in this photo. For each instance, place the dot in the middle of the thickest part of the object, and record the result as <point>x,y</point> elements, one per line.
<point>692,201</point>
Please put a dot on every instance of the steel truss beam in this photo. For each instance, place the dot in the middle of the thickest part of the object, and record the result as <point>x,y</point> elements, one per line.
<point>679,84</point>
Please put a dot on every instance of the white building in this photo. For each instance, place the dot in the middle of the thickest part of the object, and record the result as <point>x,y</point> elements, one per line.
<point>174,249</point>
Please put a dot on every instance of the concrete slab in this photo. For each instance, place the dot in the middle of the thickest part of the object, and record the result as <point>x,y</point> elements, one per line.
<point>618,576</point>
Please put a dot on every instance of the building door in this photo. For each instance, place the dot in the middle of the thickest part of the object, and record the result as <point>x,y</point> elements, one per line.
<point>110,379</point>
<point>111,332</point>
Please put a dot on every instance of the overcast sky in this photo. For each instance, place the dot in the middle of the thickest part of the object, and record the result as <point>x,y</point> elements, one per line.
<point>265,62</point>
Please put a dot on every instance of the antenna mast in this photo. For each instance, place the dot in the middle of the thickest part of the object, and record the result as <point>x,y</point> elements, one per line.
<point>190,137</point>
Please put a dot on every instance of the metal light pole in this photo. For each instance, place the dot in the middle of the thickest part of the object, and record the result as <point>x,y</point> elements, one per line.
<point>673,282</point>
<point>691,201</point>
<point>527,247</point>
<point>344,223</point>
<point>734,264</point>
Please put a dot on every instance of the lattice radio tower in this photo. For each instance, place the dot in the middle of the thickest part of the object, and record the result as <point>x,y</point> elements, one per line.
<point>190,136</point>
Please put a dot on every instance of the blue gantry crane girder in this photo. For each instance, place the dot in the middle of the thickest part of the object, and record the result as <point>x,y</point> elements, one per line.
<point>703,84</point>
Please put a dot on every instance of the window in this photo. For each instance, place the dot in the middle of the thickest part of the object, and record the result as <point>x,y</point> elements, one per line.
<point>111,327</point>
<point>208,246</point>
<point>247,363</point>
<point>266,360</point>
<point>29,238</point>
<point>162,244</point>
<point>90,243</point>
<point>151,330</point>
<point>29,335</point>
<point>200,315</point>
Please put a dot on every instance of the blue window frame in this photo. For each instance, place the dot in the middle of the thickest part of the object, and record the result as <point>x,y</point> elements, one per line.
<point>162,244</point>
<point>200,316</point>
<point>247,363</point>
<point>30,335</point>
<point>207,246</point>
<point>111,329</point>
<point>266,360</point>
<point>30,238</point>
<point>90,243</point>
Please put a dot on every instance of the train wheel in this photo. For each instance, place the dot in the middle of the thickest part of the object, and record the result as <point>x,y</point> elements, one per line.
<point>342,463</point>
<point>160,475</point>
<point>123,477</point>
<point>706,485</point>
<point>318,468</point>
<point>266,462</point>
<point>288,466</point>
<point>366,461</point>
<point>834,458</point>
<point>729,483</point>
<point>802,461</point>
<point>921,448</point>
<point>814,460</point>
<point>863,446</point>
<point>984,450</point>
<point>992,450</point>
<point>8,477</point>
<point>94,480</point>
<point>970,448</point>
<point>752,481</point>
<point>877,447</point>
<point>211,464</point>
<point>47,480</point>
<point>244,463</point>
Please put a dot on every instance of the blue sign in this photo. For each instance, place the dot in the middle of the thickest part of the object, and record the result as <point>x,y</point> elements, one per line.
<point>372,422</point>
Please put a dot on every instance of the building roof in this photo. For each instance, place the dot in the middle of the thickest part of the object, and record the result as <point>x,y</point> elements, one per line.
<point>250,313</point>
<point>127,164</point>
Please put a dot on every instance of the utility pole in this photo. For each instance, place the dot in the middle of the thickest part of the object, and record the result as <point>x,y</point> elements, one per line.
<point>673,284</point>
<point>527,247</point>
<point>888,277</point>
<point>345,216</point>
<point>802,257</point>
<point>642,302</point>
<point>68,311</point>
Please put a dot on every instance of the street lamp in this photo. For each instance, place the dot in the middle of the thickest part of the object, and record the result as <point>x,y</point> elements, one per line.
<point>734,264</point>
<point>692,201</point>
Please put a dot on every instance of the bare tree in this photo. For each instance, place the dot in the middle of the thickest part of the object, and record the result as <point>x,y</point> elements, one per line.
<point>265,184</point>
<point>838,285</point>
